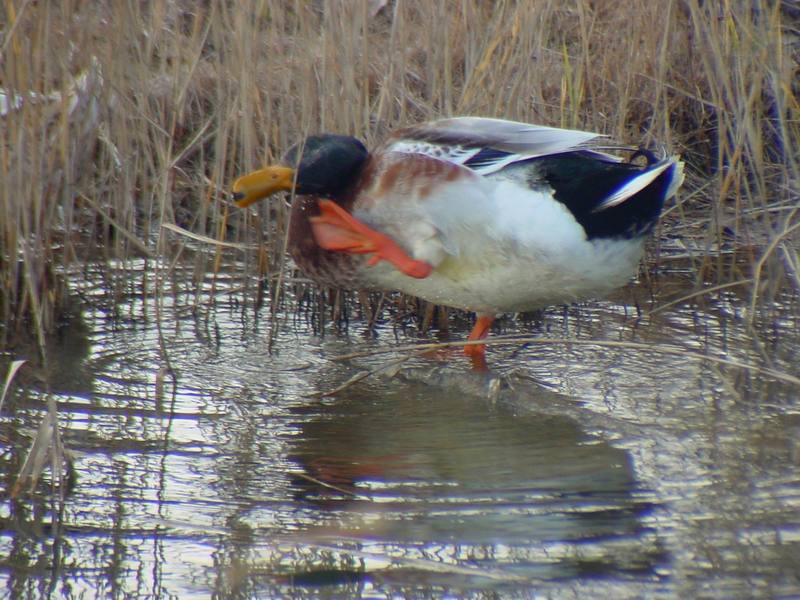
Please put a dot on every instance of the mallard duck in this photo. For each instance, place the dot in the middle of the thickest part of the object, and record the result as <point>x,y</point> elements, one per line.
<point>485,215</point>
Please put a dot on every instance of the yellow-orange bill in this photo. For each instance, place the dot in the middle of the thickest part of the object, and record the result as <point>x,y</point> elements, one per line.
<point>260,184</point>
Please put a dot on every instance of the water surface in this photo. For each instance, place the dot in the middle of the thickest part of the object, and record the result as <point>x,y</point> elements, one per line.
<point>566,470</point>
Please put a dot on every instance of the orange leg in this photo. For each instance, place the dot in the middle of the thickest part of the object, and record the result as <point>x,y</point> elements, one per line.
<point>336,229</point>
<point>479,332</point>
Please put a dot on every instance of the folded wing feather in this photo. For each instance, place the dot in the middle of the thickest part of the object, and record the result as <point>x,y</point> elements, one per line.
<point>487,145</point>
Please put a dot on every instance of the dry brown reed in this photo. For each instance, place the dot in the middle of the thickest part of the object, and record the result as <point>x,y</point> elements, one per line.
<point>121,116</point>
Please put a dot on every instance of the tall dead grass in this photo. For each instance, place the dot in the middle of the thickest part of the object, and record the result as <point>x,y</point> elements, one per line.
<point>120,116</point>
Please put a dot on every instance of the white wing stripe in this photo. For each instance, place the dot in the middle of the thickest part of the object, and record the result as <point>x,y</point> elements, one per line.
<point>635,185</point>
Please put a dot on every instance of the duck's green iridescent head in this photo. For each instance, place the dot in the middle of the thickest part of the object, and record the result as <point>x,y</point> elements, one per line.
<point>323,165</point>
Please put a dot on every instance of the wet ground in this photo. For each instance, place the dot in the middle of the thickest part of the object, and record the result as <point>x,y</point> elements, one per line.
<point>565,471</point>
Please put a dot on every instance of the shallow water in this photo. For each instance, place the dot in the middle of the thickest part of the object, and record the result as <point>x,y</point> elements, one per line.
<point>567,470</point>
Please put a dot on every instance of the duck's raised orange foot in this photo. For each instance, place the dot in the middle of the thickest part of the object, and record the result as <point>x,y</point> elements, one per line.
<point>337,230</point>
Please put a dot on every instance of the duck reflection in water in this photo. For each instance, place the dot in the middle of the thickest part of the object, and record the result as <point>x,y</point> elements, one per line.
<point>444,469</point>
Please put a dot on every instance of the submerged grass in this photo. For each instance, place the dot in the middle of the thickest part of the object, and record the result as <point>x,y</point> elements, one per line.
<point>120,117</point>
<point>47,447</point>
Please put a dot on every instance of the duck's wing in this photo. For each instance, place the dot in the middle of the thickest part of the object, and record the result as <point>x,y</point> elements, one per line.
<point>607,195</point>
<point>488,145</point>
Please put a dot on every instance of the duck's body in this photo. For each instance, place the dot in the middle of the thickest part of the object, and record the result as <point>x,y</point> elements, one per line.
<point>485,215</point>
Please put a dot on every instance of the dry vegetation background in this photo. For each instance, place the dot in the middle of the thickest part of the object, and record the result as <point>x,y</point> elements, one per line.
<point>119,116</point>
